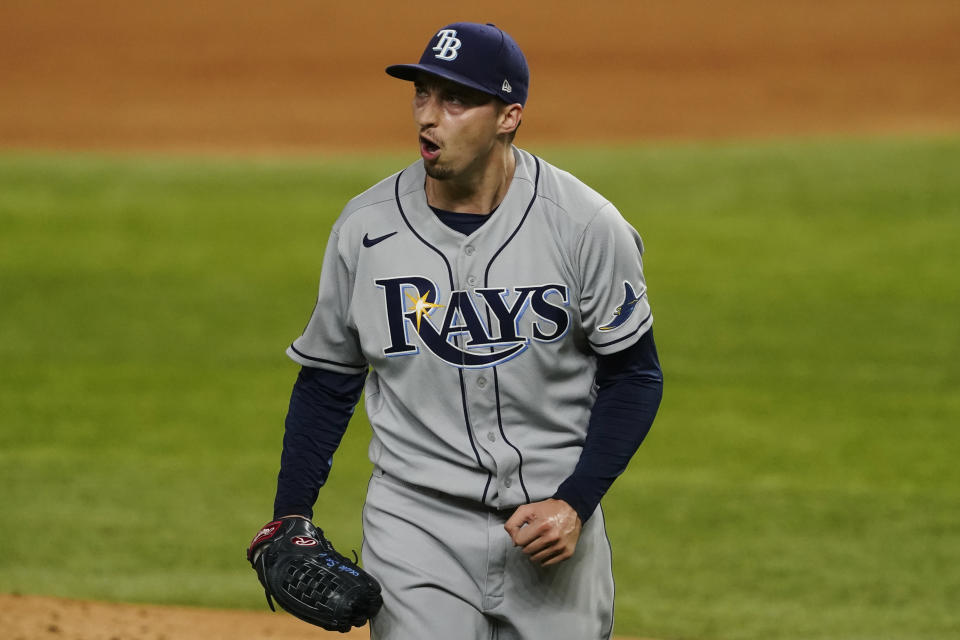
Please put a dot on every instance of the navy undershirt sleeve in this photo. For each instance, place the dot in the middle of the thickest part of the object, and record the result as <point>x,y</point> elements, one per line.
<point>321,405</point>
<point>630,386</point>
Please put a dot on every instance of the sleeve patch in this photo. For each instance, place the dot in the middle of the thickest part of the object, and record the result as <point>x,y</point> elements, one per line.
<point>624,310</point>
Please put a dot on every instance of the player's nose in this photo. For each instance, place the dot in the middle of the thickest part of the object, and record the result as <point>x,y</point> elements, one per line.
<point>426,111</point>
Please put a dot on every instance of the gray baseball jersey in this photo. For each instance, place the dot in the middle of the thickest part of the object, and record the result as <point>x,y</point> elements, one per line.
<point>481,346</point>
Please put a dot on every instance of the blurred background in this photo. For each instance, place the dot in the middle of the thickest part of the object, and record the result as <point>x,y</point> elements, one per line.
<point>307,75</point>
<point>168,176</point>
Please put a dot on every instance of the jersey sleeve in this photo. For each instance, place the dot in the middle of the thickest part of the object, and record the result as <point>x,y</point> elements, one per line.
<point>614,307</point>
<point>329,341</point>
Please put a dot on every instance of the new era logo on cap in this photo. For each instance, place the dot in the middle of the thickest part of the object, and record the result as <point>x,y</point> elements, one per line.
<point>479,56</point>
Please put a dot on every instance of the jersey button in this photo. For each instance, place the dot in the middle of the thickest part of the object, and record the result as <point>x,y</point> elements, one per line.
<point>481,382</point>
<point>507,483</point>
<point>471,280</point>
<point>469,250</point>
<point>491,436</point>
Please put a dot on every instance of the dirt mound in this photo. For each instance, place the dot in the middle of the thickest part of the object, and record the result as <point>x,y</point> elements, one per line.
<point>42,618</point>
<point>245,75</point>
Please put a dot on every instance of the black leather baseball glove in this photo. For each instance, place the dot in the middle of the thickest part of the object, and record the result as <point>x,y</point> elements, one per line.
<point>301,570</point>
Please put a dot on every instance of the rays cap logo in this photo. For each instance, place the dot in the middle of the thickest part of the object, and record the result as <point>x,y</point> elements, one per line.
<point>479,56</point>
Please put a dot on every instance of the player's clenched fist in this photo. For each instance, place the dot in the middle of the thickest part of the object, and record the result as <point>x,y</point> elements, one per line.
<point>547,531</point>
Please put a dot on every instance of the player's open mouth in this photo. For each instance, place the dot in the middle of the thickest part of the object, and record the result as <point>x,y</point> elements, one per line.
<point>428,149</point>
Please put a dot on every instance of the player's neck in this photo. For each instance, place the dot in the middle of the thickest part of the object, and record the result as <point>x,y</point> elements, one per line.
<point>478,191</point>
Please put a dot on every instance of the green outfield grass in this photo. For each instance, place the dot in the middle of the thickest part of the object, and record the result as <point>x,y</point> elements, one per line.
<point>800,482</point>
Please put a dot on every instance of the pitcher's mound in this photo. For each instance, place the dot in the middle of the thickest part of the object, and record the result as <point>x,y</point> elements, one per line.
<point>45,618</point>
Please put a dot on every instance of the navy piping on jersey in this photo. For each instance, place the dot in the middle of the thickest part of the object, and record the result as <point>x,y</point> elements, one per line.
<point>622,338</point>
<point>486,283</point>
<point>463,390</point>
<point>503,434</point>
<point>536,186</point>
<point>339,364</point>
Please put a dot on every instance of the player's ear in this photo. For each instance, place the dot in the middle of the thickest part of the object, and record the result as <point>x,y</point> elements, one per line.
<point>510,116</point>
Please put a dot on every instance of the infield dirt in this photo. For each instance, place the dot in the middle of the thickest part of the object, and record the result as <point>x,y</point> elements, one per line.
<point>301,75</point>
<point>240,76</point>
<point>42,618</point>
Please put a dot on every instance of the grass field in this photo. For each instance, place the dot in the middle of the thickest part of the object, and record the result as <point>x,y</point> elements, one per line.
<point>801,480</point>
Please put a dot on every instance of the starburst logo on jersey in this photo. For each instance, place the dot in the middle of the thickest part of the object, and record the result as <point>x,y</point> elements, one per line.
<point>622,312</point>
<point>471,329</point>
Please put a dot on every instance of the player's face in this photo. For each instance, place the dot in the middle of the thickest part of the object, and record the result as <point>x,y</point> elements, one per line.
<point>458,126</point>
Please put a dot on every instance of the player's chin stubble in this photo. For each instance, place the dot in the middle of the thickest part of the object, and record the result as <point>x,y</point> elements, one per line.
<point>438,173</point>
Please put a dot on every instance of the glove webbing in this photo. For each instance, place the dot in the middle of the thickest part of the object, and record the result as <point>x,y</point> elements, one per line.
<point>312,585</point>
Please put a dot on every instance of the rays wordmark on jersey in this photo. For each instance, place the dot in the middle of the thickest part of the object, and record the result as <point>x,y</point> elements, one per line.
<point>473,328</point>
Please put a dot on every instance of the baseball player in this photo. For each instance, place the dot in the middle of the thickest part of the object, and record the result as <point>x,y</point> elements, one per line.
<point>495,310</point>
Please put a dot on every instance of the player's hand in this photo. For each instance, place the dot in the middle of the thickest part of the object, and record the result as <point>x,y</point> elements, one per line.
<point>547,531</point>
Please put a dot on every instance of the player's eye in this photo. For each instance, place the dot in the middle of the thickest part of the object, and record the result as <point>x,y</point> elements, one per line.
<point>456,99</point>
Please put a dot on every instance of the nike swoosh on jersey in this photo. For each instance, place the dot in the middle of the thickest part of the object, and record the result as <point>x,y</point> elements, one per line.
<point>369,242</point>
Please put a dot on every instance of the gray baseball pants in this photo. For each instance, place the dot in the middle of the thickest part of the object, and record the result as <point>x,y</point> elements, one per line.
<point>450,571</point>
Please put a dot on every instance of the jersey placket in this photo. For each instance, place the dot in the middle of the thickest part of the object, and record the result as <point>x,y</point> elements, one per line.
<point>480,387</point>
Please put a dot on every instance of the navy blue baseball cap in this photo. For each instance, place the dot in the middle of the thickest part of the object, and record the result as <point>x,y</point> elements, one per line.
<point>480,56</point>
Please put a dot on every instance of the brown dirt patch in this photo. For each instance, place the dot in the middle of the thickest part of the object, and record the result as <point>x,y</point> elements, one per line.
<point>42,618</point>
<point>289,75</point>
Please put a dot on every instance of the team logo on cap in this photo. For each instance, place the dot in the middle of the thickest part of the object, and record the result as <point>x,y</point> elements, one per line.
<point>447,44</point>
<point>471,329</point>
